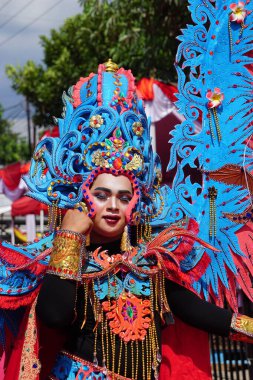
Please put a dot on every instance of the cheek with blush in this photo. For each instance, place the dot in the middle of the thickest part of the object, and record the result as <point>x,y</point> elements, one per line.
<point>128,212</point>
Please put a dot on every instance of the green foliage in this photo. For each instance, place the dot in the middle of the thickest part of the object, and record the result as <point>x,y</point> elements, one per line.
<point>136,34</point>
<point>12,147</point>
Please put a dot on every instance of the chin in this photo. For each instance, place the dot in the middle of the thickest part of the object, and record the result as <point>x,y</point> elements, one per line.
<point>108,233</point>
<point>111,234</point>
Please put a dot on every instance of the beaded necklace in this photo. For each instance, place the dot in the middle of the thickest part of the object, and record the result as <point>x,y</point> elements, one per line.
<point>126,290</point>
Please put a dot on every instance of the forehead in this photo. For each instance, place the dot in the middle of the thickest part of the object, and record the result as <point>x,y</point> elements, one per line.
<point>113,183</point>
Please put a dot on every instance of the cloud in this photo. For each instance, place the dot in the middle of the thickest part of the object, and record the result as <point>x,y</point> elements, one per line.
<point>26,44</point>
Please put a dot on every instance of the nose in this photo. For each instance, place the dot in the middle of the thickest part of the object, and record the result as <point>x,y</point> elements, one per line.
<point>113,204</point>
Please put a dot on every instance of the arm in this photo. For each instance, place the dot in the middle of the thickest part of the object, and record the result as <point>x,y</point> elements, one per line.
<point>57,299</point>
<point>197,312</point>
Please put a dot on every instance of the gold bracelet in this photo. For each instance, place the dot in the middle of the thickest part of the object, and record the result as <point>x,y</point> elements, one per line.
<point>242,328</point>
<point>67,255</point>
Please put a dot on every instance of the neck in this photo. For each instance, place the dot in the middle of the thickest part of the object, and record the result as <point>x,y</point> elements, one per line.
<point>112,247</point>
<point>99,239</point>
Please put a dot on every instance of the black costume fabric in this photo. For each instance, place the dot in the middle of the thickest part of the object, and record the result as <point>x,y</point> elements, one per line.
<point>59,298</point>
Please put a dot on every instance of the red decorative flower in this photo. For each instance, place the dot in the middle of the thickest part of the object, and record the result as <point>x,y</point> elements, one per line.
<point>215,98</point>
<point>238,13</point>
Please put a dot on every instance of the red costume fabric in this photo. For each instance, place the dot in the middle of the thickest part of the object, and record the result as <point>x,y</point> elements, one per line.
<point>185,353</point>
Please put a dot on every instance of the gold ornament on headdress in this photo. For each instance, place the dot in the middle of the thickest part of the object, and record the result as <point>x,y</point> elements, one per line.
<point>135,163</point>
<point>110,66</point>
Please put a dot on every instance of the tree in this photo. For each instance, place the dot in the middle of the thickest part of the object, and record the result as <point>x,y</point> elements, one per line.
<point>140,35</point>
<point>13,147</point>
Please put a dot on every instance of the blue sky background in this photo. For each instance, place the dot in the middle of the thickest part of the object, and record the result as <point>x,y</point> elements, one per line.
<point>21,24</point>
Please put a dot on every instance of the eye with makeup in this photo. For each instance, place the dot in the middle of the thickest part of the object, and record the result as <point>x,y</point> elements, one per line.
<point>101,195</point>
<point>125,198</point>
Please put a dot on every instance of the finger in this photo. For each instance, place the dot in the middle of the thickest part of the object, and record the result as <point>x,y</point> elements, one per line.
<point>82,207</point>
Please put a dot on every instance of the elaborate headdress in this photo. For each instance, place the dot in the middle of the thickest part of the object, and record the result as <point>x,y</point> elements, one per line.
<point>104,129</point>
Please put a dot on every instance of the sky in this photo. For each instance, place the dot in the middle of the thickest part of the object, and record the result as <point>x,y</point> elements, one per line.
<point>21,24</point>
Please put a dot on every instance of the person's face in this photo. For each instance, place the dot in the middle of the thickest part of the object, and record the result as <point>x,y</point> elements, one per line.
<point>111,197</point>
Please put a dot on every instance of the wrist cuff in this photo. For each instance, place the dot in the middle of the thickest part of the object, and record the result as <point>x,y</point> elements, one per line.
<point>68,255</point>
<point>241,328</point>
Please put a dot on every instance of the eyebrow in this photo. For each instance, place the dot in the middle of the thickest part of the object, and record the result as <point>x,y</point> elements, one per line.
<point>109,191</point>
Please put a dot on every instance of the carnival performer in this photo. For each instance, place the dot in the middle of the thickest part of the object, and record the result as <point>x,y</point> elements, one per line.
<point>115,270</point>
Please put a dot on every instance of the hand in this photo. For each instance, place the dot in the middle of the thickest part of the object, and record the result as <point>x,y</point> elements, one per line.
<point>77,221</point>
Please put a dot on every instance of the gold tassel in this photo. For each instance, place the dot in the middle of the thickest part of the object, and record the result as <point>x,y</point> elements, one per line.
<point>212,195</point>
<point>147,229</point>
<point>217,123</point>
<point>125,241</point>
<point>140,233</point>
<point>86,291</point>
<point>60,217</point>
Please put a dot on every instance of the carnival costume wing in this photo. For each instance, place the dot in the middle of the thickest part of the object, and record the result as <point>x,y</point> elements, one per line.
<point>21,274</point>
<point>216,52</point>
<point>232,174</point>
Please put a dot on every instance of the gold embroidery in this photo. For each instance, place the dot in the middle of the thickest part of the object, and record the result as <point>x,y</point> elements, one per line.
<point>243,324</point>
<point>30,365</point>
<point>66,258</point>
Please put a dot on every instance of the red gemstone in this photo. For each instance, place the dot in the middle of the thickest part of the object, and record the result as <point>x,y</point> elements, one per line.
<point>77,178</point>
<point>117,164</point>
